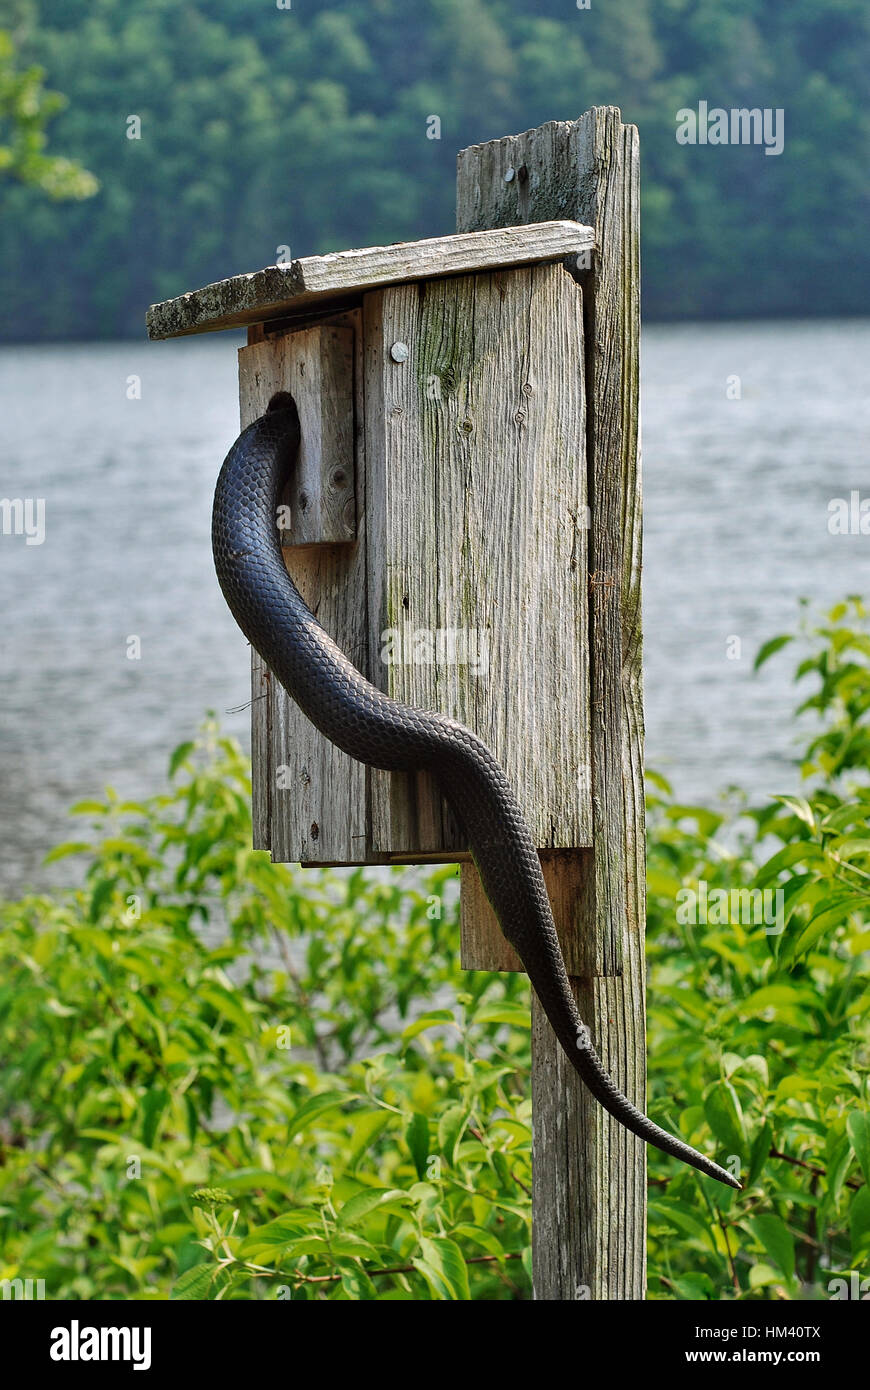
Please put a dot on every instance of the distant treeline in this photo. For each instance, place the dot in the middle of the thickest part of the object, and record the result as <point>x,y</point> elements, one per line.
<point>264,124</point>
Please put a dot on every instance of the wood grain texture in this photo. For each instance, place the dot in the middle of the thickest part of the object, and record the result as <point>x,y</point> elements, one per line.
<point>262,775</point>
<point>588,1173</point>
<point>477,539</point>
<point>309,797</point>
<point>317,366</point>
<point>589,1185</point>
<point>278,289</point>
<point>567,875</point>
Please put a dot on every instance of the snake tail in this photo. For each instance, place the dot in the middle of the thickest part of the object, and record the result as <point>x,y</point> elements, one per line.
<point>379,731</point>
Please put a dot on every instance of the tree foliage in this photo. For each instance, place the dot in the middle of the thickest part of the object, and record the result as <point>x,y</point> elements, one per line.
<point>760,1027</point>
<point>226,1078</point>
<point>26,109</point>
<point>263,127</point>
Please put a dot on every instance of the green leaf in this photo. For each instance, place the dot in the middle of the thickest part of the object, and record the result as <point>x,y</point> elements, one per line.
<point>193,1284</point>
<point>680,1216</point>
<point>753,1063</point>
<point>517,1015</point>
<point>796,1086</point>
<point>798,852</point>
<point>417,1139</point>
<point>696,1287</point>
<point>102,895</point>
<point>770,1003</point>
<point>851,813</point>
<point>54,1006</point>
<point>227,1004</point>
<point>451,1127</point>
<point>859,1225</point>
<point>443,1268</point>
<point>761,1146</point>
<point>67,848</point>
<point>179,755</point>
<point>776,1240</point>
<point>357,1208</point>
<point>357,1284</point>
<point>191,1117</point>
<point>838,1163</point>
<point>348,1245</point>
<point>725,1118</point>
<point>314,1108</point>
<point>852,848</point>
<point>436,1018</point>
<point>502,1169</point>
<point>761,1276</point>
<point>277,1234</point>
<point>153,1106</point>
<point>858,1128</point>
<point>487,1240</point>
<point>770,648</point>
<point>368,1125</point>
<point>801,808</point>
<point>828,918</point>
<point>306,1245</point>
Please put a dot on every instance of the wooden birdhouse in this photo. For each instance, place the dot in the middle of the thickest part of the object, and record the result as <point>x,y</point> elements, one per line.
<point>463,521</point>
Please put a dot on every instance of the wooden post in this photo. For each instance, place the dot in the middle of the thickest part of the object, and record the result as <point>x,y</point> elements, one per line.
<point>470,411</point>
<point>589,1184</point>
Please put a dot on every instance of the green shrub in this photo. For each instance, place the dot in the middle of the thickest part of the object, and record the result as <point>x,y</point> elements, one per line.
<point>758,1035</point>
<point>195,1017</point>
<point>227,1078</point>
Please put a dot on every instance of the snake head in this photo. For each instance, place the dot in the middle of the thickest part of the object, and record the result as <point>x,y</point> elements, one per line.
<point>282,400</point>
<point>283,405</point>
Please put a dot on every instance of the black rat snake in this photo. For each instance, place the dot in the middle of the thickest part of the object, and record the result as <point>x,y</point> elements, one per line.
<point>374,729</point>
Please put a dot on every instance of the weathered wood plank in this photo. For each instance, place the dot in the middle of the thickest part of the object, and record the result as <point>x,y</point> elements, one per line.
<point>567,875</point>
<point>317,366</point>
<point>588,1190</point>
<point>274,291</point>
<point>476,453</point>
<point>589,169</point>
<point>313,795</point>
<point>261,744</point>
<point>262,776</point>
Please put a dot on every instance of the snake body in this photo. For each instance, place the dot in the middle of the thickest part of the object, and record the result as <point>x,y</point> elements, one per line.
<point>379,731</point>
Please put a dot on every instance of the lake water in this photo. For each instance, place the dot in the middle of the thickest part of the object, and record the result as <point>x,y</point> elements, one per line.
<point>736,527</point>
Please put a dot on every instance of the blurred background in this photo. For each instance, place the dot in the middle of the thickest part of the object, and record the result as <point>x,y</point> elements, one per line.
<point>148,149</point>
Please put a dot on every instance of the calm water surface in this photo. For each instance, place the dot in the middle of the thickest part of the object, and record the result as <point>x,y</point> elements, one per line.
<point>736,508</point>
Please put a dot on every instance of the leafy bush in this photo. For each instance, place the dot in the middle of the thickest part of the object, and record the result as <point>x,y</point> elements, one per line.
<point>227,1078</point>
<point>758,1033</point>
<point>198,1018</point>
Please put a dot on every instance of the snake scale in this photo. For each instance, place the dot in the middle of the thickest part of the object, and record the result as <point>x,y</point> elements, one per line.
<point>375,729</point>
